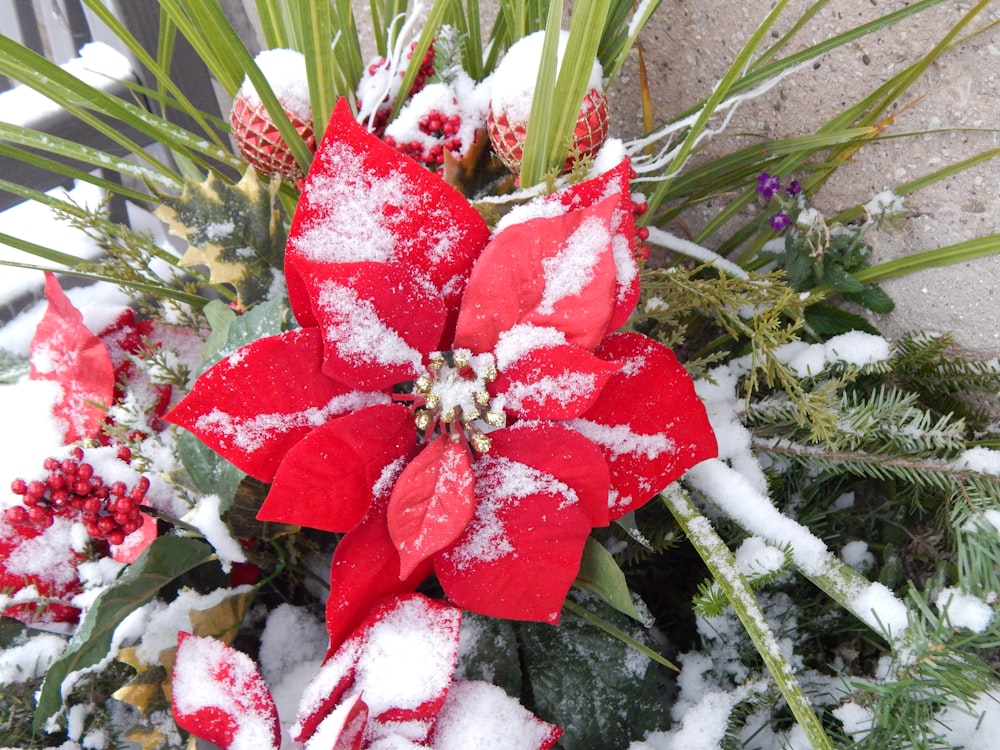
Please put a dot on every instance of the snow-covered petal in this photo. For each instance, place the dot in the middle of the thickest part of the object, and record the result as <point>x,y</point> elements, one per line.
<point>556,383</point>
<point>551,271</point>
<point>364,201</point>
<point>519,556</point>
<point>219,695</point>
<point>648,421</point>
<point>63,350</point>
<point>400,658</point>
<point>432,502</point>
<point>377,320</point>
<point>326,480</point>
<point>616,181</point>
<point>482,716</point>
<point>255,404</point>
<point>343,728</point>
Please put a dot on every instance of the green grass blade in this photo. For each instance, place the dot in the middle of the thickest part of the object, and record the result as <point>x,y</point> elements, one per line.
<point>924,261</point>
<point>159,68</point>
<point>70,173</point>
<point>435,17</point>
<point>534,160</point>
<point>316,32</point>
<point>719,94</point>
<point>585,29</point>
<point>229,60</point>
<point>276,35</point>
<point>89,157</point>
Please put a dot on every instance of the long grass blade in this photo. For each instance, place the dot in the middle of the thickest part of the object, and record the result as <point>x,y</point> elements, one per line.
<point>534,159</point>
<point>159,67</point>
<point>316,32</point>
<point>230,61</point>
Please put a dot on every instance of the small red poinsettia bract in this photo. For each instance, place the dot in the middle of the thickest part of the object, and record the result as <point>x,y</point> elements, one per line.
<point>455,402</point>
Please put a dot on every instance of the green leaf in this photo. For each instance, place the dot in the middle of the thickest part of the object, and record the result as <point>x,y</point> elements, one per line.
<point>210,472</point>
<point>872,297</point>
<point>601,692</point>
<point>599,574</point>
<point>162,562</point>
<point>220,316</point>
<point>835,277</point>
<point>489,652</point>
<point>235,230</point>
<point>827,321</point>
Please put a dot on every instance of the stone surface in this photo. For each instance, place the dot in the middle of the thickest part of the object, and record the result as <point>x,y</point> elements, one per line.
<point>951,113</point>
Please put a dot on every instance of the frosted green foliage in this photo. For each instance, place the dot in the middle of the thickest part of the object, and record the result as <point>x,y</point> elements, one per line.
<point>602,692</point>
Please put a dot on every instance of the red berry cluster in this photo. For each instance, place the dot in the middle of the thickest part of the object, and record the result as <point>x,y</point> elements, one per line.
<point>442,128</point>
<point>639,247</point>
<point>72,490</point>
<point>385,108</point>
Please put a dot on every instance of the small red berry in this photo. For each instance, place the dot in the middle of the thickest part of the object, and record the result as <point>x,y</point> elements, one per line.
<point>17,515</point>
<point>19,487</point>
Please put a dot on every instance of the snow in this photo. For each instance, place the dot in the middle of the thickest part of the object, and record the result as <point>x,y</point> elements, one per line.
<point>97,65</point>
<point>285,71</point>
<point>482,716</point>
<point>29,659</point>
<point>572,268</point>
<point>981,459</point>
<point>856,555</point>
<point>515,76</point>
<point>963,610</point>
<point>885,203</point>
<point>250,433</point>
<point>976,727</point>
<point>206,517</point>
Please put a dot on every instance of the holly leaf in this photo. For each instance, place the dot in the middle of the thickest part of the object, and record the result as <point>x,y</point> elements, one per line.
<point>242,253</point>
<point>163,561</point>
<point>599,574</point>
<point>602,692</point>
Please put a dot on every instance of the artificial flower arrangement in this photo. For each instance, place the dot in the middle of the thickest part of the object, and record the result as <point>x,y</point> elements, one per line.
<point>390,473</point>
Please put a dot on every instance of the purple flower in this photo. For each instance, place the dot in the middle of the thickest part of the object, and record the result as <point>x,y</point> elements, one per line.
<point>780,220</point>
<point>794,188</point>
<point>768,185</point>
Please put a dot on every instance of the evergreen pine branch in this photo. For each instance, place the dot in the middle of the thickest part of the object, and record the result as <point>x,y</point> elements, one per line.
<point>722,564</point>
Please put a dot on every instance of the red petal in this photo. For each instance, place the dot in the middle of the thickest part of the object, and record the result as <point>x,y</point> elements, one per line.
<point>364,201</point>
<point>589,192</point>
<point>557,272</point>
<point>521,553</point>
<point>648,421</point>
<point>129,550</point>
<point>555,383</point>
<point>326,480</point>
<point>432,502</point>
<point>398,630</point>
<point>220,696</point>
<point>365,568</point>
<point>377,321</point>
<point>342,729</point>
<point>255,404</point>
<point>64,351</point>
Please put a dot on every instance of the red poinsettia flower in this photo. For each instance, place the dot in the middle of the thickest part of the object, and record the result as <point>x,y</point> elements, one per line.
<point>390,684</point>
<point>456,403</point>
<point>90,368</point>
